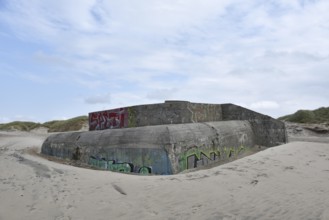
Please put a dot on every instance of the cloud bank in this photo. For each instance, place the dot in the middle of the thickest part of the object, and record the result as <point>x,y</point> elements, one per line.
<point>270,56</point>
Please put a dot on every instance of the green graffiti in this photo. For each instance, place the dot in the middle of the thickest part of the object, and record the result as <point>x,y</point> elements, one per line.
<point>229,152</point>
<point>241,148</point>
<point>99,163</point>
<point>144,170</point>
<point>197,157</point>
<point>120,167</point>
<point>112,165</point>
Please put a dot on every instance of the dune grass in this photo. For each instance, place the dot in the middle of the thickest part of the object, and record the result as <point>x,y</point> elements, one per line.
<point>72,124</point>
<point>20,125</point>
<point>320,115</point>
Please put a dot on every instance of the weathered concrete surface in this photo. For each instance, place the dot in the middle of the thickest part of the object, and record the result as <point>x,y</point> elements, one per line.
<point>166,138</point>
<point>162,149</point>
<point>270,132</point>
<point>170,112</point>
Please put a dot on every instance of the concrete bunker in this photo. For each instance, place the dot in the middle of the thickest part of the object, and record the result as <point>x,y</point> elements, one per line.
<point>166,138</point>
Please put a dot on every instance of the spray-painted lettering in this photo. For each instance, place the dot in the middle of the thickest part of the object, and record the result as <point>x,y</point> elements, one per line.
<point>107,119</point>
<point>124,167</point>
<point>197,157</point>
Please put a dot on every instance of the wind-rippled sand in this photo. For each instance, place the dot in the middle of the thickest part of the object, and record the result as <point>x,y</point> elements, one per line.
<point>290,181</point>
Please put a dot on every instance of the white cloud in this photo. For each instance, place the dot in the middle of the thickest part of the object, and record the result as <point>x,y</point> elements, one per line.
<point>4,120</point>
<point>53,60</point>
<point>161,94</point>
<point>99,99</point>
<point>234,51</point>
<point>264,105</point>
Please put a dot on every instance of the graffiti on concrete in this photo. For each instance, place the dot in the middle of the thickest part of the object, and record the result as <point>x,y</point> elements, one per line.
<point>196,157</point>
<point>107,119</point>
<point>203,113</point>
<point>124,167</point>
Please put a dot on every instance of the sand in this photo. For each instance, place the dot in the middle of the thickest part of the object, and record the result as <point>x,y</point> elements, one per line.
<point>290,181</point>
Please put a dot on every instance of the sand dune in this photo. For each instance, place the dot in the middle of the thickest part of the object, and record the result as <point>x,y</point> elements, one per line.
<point>290,181</point>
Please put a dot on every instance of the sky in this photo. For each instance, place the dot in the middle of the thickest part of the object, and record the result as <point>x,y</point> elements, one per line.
<point>65,58</point>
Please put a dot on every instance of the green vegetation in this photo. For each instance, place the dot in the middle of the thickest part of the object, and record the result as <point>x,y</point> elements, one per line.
<point>72,124</point>
<point>20,125</point>
<point>320,115</point>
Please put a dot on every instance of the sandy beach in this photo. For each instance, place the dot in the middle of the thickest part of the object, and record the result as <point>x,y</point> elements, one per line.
<point>290,181</point>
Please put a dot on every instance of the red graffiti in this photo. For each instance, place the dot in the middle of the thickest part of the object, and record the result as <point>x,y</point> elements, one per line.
<point>108,119</point>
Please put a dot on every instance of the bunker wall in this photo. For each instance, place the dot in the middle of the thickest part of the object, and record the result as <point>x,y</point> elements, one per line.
<point>162,149</point>
<point>268,131</point>
<point>170,112</point>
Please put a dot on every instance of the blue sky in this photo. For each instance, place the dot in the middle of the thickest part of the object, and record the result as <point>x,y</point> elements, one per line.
<point>61,59</point>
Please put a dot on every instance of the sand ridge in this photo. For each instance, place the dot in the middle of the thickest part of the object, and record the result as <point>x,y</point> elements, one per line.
<point>284,182</point>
